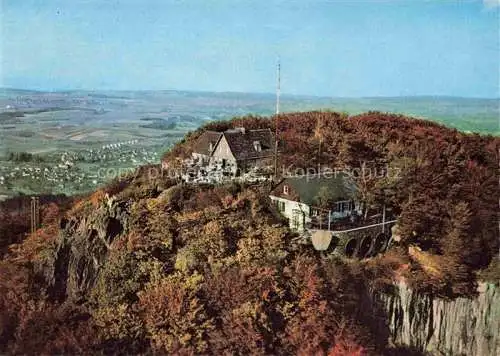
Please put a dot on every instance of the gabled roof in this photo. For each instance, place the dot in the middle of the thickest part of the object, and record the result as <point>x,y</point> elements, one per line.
<point>202,145</point>
<point>243,143</point>
<point>308,187</point>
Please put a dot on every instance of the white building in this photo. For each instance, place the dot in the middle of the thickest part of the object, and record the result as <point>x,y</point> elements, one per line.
<point>319,201</point>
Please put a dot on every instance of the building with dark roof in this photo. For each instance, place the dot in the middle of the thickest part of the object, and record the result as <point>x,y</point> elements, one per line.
<point>205,145</point>
<point>238,148</point>
<point>250,145</point>
<point>320,199</point>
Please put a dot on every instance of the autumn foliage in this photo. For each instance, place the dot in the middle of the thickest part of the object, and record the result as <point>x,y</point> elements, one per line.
<point>442,183</point>
<point>215,270</point>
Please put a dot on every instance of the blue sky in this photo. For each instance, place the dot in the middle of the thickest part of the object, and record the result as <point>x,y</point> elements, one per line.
<point>327,48</point>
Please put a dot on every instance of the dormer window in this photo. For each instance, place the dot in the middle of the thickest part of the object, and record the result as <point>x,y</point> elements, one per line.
<point>286,190</point>
<point>257,146</point>
<point>211,147</point>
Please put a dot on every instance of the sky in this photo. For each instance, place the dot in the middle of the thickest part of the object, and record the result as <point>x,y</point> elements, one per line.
<point>333,48</point>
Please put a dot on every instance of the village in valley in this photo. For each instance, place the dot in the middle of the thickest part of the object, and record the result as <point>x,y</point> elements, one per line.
<point>73,171</point>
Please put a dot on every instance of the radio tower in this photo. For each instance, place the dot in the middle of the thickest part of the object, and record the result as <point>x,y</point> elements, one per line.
<point>278,87</point>
<point>278,92</point>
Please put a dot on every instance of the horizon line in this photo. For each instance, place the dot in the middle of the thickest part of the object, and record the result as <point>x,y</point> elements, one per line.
<point>41,91</point>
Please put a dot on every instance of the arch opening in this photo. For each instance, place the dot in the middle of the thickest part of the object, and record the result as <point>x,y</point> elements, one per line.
<point>364,247</point>
<point>350,248</point>
<point>380,244</point>
<point>334,243</point>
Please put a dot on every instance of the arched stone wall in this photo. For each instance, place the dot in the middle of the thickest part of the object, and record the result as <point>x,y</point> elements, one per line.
<point>360,243</point>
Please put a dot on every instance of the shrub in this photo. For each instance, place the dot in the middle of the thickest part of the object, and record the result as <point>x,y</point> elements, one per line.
<point>491,274</point>
<point>174,317</point>
<point>119,280</point>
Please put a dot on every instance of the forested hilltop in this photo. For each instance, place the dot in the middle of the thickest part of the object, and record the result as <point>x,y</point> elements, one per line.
<point>146,265</point>
<point>441,182</point>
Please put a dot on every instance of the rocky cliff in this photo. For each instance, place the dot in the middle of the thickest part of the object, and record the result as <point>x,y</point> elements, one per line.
<point>444,327</point>
<point>70,269</point>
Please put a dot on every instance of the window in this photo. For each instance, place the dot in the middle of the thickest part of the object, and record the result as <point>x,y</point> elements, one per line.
<point>343,206</point>
<point>297,219</point>
<point>285,189</point>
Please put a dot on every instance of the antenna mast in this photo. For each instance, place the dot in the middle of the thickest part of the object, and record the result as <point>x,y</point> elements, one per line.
<point>278,89</point>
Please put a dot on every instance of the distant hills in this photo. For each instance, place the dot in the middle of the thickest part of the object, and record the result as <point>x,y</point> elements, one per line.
<point>466,114</point>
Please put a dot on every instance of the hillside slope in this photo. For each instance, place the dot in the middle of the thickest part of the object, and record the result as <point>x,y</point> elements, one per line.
<point>442,183</point>
<point>146,265</point>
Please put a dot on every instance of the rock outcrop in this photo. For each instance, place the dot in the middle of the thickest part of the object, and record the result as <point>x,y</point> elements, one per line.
<point>82,248</point>
<point>444,327</point>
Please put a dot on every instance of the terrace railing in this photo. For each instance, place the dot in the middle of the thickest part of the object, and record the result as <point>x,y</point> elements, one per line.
<point>322,222</point>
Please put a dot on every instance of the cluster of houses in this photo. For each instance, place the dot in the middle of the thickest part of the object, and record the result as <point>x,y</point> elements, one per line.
<point>71,172</point>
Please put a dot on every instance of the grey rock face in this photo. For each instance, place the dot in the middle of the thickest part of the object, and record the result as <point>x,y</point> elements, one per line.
<point>444,327</point>
<point>82,249</point>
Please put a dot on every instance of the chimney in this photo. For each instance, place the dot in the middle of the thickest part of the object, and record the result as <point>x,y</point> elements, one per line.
<point>237,130</point>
